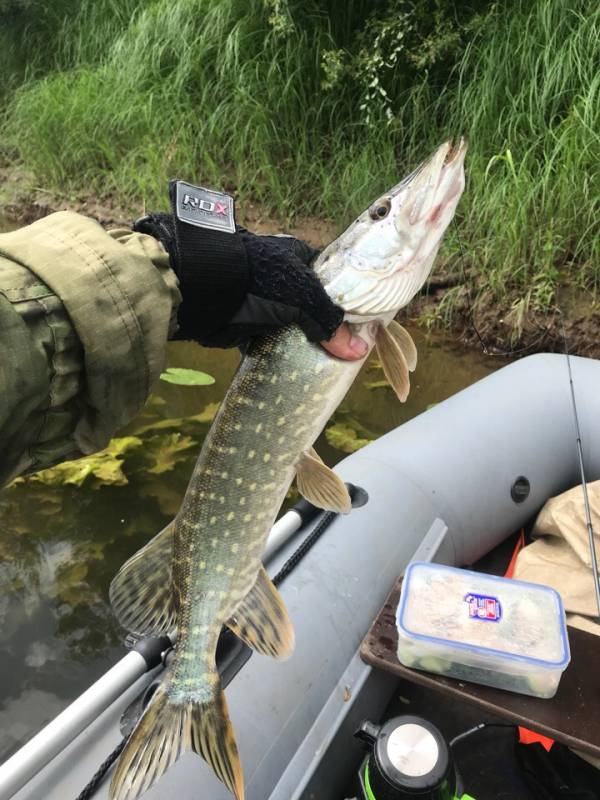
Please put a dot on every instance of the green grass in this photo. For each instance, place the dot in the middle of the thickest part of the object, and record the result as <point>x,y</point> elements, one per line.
<point>529,102</point>
<point>211,91</point>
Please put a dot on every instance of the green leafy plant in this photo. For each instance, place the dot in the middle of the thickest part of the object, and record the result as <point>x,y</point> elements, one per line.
<point>347,434</point>
<point>186,377</point>
<point>154,447</point>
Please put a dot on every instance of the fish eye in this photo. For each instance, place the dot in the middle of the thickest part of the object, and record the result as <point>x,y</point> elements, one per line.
<point>380,209</point>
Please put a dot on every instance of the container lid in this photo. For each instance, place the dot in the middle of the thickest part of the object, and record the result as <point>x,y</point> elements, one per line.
<point>483,614</point>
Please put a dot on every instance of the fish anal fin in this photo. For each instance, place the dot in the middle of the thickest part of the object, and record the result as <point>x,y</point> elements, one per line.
<point>167,728</point>
<point>261,620</point>
<point>393,362</point>
<point>319,484</point>
<point>405,342</point>
<point>141,593</point>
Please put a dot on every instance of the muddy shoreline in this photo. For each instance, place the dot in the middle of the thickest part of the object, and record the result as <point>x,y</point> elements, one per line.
<point>486,326</point>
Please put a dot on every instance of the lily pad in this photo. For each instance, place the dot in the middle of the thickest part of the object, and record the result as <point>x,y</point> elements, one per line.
<point>186,377</point>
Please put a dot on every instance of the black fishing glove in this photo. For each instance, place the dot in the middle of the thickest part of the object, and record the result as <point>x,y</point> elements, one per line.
<point>239,285</point>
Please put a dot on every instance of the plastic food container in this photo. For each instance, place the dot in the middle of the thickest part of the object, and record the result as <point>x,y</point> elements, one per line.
<point>476,627</point>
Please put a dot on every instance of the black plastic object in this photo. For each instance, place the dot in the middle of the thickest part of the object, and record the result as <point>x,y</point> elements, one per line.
<point>152,648</point>
<point>520,489</point>
<point>408,757</point>
<point>306,511</point>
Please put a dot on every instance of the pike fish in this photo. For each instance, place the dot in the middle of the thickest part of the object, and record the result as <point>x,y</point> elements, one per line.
<point>204,570</point>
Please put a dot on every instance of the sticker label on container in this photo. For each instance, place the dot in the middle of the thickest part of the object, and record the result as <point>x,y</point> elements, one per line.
<point>482,606</point>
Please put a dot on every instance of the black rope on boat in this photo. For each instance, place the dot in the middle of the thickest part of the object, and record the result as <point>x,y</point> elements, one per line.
<point>303,549</point>
<point>97,779</point>
<point>286,569</point>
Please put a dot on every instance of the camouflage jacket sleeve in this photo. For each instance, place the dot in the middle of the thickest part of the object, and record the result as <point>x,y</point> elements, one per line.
<point>84,320</point>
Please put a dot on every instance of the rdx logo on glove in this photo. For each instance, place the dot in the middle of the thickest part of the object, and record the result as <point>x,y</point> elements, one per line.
<point>204,207</point>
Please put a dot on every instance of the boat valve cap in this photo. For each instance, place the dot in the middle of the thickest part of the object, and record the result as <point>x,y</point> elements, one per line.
<point>520,489</point>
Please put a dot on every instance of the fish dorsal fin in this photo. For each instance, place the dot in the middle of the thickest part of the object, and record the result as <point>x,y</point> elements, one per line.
<point>393,362</point>
<point>261,620</point>
<point>320,485</point>
<point>405,342</point>
<point>141,593</point>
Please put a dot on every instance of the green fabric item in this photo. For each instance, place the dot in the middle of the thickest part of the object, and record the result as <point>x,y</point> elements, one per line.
<point>84,320</point>
<point>371,796</point>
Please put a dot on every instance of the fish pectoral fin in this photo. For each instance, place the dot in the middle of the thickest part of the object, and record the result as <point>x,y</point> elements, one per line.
<point>141,593</point>
<point>262,622</point>
<point>393,362</point>
<point>405,342</point>
<point>168,728</point>
<point>320,485</point>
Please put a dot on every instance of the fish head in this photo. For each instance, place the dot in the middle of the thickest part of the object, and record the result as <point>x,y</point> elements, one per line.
<point>383,259</point>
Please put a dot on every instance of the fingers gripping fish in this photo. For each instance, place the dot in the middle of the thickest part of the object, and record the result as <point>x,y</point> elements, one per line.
<point>204,570</point>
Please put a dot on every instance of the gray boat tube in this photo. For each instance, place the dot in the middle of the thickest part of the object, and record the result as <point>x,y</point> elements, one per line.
<point>462,462</point>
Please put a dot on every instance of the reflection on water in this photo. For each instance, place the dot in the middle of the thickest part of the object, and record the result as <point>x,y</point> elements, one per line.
<point>61,545</point>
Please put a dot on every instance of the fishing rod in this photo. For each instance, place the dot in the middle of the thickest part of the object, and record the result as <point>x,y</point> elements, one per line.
<point>586,501</point>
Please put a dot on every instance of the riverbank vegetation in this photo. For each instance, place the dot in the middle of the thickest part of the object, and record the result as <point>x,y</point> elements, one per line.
<point>314,106</point>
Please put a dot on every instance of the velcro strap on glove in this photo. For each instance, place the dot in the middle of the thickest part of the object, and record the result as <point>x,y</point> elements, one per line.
<point>212,267</point>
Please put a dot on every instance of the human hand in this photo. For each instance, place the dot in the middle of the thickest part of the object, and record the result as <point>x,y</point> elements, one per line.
<point>343,344</point>
<point>237,285</point>
<point>283,290</point>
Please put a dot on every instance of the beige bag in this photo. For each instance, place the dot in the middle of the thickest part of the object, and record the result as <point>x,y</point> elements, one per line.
<point>560,556</point>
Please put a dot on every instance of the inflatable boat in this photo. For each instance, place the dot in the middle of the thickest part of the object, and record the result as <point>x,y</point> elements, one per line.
<point>450,485</point>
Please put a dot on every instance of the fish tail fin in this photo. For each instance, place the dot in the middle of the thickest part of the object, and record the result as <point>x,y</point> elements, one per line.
<point>212,737</point>
<point>168,728</point>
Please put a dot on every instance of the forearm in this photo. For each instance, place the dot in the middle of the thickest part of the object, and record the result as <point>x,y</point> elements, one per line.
<point>84,320</point>
<point>85,316</point>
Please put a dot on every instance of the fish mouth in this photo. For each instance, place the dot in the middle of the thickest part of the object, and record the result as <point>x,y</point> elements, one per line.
<point>449,152</point>
<point>433,184</point>
<point>455,150</point>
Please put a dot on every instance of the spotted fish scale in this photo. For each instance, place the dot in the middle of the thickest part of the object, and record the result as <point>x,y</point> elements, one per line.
<point>240,481</point>
<point>204,569</point>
